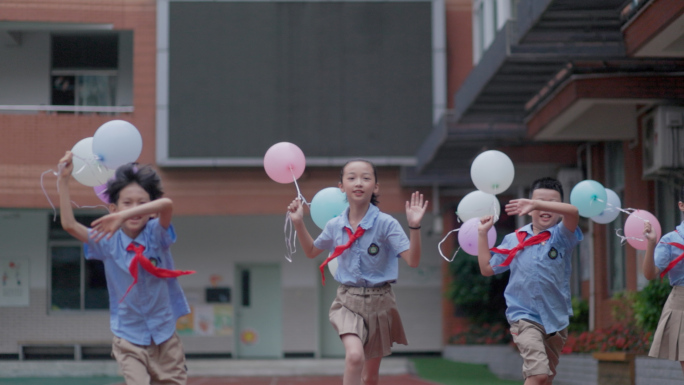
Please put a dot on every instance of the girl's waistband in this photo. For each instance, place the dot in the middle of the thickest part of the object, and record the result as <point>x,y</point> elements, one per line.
<point>367,290</point>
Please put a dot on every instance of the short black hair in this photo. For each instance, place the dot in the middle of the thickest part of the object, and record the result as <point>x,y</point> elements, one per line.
<point>681,194</point>
<point>129,173</point>
<point>547,183</point>
<point>374,197</point>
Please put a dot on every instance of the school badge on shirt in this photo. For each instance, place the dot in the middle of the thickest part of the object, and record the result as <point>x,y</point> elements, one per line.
<point>553,253</point>
<point>373,249</point>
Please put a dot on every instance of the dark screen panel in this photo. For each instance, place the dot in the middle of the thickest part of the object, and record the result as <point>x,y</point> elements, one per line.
<point>338,79</point>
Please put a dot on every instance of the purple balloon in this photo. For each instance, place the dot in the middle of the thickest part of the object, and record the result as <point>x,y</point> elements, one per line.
<point>467,236</point>
<point>101,192</point>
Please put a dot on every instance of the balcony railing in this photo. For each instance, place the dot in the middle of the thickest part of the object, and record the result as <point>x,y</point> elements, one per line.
<point>74,109</point>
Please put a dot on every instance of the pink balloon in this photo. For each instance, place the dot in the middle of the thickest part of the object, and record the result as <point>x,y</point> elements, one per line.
<point>101,193</point>
<point>467,236</point>
<point>634,228</point>
<point>284,162</point>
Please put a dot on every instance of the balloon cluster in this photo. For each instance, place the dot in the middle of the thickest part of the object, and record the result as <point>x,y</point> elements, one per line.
<point>285,162</point>
<point>96,158</point>
<point>492,173</point>
<point>603,206</point>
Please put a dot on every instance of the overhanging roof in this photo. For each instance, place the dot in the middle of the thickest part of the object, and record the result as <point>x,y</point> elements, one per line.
<point>524,56</point>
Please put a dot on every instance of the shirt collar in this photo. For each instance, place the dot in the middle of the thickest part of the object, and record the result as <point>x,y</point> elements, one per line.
<point>368,219</point>
<point>527,228</point>
<point>680,229</point>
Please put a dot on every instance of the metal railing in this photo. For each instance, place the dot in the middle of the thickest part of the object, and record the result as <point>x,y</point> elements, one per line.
<point>75,109</point>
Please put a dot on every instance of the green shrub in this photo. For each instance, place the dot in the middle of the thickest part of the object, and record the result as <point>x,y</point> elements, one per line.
<point>649,303</point>
<point>579,321</point>
<point>478,297</point>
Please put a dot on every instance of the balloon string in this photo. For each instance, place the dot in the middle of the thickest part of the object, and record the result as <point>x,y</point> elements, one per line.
<point>626,211</point>
<point>42,186</point>
<point>299,193</point>
<point>439,246</point>
<point>290,238</point>
<point>54,209</point>
<point>624,239</point>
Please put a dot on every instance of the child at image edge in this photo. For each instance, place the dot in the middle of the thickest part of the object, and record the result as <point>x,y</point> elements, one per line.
<point>138,232</point>
<point>364,313</point>
<point>538,291</point>
<point>662,259</point>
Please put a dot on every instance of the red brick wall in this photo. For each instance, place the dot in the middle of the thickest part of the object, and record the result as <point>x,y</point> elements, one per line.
<point>32,144</point>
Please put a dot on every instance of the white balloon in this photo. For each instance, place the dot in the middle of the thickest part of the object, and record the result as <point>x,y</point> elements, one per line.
<point>611,211</point>
<point>117,142</point>
<point>332,266</point>
<point>87,168</point>
<point>492,172</point>
<point>478,204</point>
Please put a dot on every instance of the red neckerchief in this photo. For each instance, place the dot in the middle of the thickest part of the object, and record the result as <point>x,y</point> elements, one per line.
<point>676,260</point>
<point>339,249</point>
<point>139,258</point>
<point>522,243</point>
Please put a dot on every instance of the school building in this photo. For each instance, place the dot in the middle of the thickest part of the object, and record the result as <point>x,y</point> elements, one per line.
<point>211,86</point>
<point>580,89</point>
<point>576,89</point>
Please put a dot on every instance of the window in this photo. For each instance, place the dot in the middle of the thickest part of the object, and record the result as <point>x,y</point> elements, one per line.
<point>84,69</point>
<point>615,180</point>
<point>75,283</point>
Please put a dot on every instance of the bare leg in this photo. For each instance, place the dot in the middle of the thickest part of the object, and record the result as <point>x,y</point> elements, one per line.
<point>370,371</point>
<point>539,379</point>
<point>353,359</point>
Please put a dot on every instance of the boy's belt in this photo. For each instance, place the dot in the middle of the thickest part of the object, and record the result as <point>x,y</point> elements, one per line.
<point>367,290</point>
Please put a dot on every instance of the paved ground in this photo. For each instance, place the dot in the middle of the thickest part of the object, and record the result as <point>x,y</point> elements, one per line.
<point>405,379</point>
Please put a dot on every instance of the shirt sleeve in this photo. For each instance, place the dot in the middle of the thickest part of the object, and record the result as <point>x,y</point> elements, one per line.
<point>566,238</point>
<point>662,255</point>
<point>96,250</point>
<point>325,240</point>
<point>396,238</point>
<point>165,237</point>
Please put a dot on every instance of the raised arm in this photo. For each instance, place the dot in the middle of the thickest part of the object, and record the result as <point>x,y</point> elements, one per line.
<point>296,210</point>
<point>110,223</point>
<point>569,212</point>
<point>483,253</point>
<point>415,210</point>
<point>66,212</point>
<point>648,266</point>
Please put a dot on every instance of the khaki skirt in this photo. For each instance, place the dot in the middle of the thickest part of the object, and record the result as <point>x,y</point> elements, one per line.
<point>668,341</point>
<point>371,314</point>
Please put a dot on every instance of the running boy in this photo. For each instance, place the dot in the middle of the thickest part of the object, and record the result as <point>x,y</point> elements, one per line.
<point>145,303</point>
<point>538,291</point>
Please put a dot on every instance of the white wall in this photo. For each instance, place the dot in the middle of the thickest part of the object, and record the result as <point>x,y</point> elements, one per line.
<point>213,246</point>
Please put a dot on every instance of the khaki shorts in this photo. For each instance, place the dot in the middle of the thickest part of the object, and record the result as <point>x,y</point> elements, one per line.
<point>540,351</point>
<point>153,364</point>
<point>371,314</point>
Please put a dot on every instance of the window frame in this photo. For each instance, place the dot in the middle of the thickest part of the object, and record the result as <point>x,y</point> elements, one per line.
<point>69,242</point>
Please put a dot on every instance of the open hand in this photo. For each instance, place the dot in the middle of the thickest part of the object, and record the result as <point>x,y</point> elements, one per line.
<point>520,207</point>
<point>415,209</point>
<point>106,226</point>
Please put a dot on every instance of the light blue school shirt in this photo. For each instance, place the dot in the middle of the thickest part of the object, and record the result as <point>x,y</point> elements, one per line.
<point>150,310</point>
<point>664,254</point>
<point>372,259</point>
<point>539,286</point>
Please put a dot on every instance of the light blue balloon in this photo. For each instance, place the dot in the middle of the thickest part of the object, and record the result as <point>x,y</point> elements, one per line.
<point>327,204</point>
<point>589,196</point>
<point>116,143</point>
